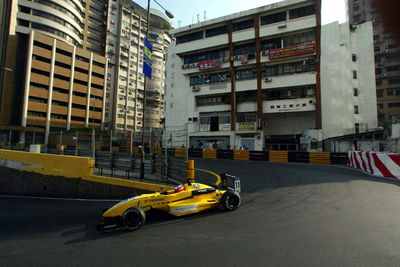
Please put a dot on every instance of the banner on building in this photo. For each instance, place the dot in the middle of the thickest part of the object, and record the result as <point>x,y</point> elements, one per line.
<point>147,58</point>
<point>292,51</point>
<point>209,64</point>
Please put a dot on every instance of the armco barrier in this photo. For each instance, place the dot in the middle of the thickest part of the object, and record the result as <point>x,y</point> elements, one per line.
<point>278,156</point>
<point>272,156</point>
<point>378,164</point>
<point>241,155</point>
<point>224,154</point>
<point>294,156</point>
<point>195,152</point>
<point>259,155</point>
<point>320,157</point>
<point>180,152</point>
<point>339,158</point>
<point>209,153</point>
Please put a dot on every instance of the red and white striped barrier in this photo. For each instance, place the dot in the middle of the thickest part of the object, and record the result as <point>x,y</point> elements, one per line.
<point>379,164</point>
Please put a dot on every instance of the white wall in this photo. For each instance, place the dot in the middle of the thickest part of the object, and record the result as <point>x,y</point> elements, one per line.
<point>337,83</point>
<point>289,123</point>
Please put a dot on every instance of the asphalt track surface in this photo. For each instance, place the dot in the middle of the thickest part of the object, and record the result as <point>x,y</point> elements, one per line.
<point>291,215</point>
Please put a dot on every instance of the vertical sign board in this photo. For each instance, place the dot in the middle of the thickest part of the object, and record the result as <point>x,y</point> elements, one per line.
<point>147,58</point>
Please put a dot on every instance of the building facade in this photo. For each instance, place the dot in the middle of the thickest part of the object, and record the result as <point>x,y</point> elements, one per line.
<point>262,79</point>
<point>127,27</point>
<point>387,60</point>
<point>56,53</point>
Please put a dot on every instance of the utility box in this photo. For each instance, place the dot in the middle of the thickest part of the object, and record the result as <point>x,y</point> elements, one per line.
<point>34,148</point>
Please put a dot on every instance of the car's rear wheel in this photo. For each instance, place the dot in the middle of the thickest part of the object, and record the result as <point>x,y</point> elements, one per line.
<point>133,218</point>
<point>230,200</point>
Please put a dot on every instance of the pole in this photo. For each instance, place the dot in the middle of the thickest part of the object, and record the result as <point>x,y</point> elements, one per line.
<point>9,139</point>
<point>131,145</point>
<point>61,137</point>
<point>144,100</point>
<point>76,142</point>
<point>111,133</point>
<point>187,142</point>
<point>34,137</point>
<point>93,143</point>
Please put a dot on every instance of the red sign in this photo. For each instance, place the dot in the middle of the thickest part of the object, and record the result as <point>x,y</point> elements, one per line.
<point>292,51</point>
<point>209,64</point>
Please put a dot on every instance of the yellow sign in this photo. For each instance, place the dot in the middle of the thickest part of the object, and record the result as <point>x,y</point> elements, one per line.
<point>246,126</point>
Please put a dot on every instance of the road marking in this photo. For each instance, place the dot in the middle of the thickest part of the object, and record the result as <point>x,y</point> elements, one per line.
<point>60,198</point>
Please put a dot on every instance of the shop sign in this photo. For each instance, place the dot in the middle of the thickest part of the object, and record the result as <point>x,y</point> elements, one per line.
<point>246,126</point>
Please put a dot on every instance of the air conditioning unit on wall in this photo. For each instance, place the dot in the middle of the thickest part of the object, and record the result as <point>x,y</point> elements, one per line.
<point>195,88</point>
<point>268,79</point>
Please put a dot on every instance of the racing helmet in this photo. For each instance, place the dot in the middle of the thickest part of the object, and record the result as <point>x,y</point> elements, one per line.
<point>179,188</point>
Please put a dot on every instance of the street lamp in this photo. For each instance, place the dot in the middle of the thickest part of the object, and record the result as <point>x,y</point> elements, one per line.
<point>169,14</point>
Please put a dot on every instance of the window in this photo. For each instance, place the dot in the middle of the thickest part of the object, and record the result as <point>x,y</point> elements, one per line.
<point>301,12</point>
<point>273,18</point>
<point>395,80</point>
<point>189,37</point>
<point>242,25</point>
<point>213,100</point>
<point>246,49</point>
<point>216,31</point>
<point>394,105</point>
<point>390,92</point>
<point>214,54</point>
<point>289,68</point>
<point>299,38</point>
<point>355,91</point>
<point>379,93</point>
<point>380,106</point>
<point>354,74</point>
<point>393,68</point>
<point>354,57</point>
<point>356,111</point>
<point>245,74</point>
<point>271,44</point>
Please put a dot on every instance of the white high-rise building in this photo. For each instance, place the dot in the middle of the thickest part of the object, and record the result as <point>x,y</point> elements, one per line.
<point>270,78</point>
<point>125,79</point>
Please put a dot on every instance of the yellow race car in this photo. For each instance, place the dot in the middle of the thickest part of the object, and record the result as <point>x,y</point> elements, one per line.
<point>184,199</point>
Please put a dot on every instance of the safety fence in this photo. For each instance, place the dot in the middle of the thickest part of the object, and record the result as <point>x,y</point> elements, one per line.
<point>271,156</point>
<point>375,163</point>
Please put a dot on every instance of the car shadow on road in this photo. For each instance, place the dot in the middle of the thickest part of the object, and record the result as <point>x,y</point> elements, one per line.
<point>155,219</point>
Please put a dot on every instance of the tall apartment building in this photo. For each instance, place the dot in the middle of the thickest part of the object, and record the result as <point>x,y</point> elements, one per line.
<point>56,52</point>
<point>125,80</point>
<point>270,78</point>
<point>387,60</point>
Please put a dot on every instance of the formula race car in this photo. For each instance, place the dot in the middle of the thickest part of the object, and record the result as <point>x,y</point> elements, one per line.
<point>184,199</point>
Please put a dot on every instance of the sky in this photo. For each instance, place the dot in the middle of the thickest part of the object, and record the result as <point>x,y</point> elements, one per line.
<point>187,12</point>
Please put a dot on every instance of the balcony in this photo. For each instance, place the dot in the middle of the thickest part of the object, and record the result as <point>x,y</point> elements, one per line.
<point>289,105</point>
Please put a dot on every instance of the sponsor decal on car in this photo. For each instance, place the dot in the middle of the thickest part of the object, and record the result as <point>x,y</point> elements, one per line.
<point>183,209</point>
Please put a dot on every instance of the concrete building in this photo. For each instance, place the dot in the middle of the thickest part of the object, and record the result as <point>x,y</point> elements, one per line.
<point>56,54</point>
<point>125,79</point>
<point>270,78</point>
<point>387,60</point>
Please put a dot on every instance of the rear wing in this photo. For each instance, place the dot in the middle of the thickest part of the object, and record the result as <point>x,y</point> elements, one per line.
<point>230,182</point>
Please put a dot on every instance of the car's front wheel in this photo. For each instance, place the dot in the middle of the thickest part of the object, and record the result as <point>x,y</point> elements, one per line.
<point>133,218</point>
<point>230,200</point>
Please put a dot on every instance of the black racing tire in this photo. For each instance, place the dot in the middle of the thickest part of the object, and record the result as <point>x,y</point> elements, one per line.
<point>133,218</point>
<point>230,200</point>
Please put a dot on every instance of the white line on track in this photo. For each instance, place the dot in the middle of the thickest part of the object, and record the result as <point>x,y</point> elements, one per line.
<point>60,198</point>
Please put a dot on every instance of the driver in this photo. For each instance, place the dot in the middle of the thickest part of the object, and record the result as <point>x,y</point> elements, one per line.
<point>179,188</point>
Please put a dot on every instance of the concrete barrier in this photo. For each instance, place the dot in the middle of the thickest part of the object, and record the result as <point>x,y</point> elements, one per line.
<point>378,164</point>
<point>67,167</point>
